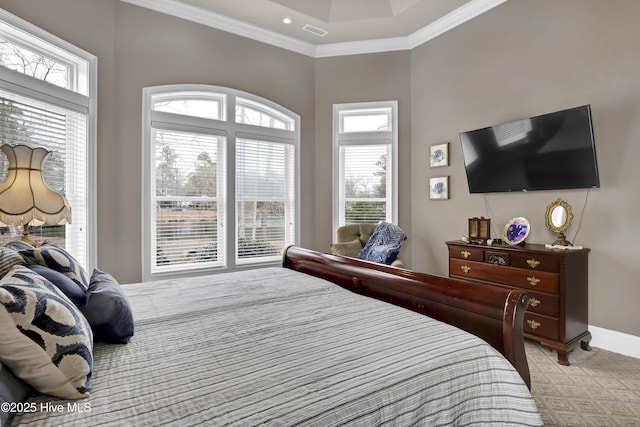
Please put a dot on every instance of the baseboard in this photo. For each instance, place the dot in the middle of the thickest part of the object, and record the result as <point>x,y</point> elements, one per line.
<point>615,341</point>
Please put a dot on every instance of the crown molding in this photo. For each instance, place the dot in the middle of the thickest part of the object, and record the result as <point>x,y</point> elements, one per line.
<point>195,14</point>
<point>363,46</point>
<point>451,20</point>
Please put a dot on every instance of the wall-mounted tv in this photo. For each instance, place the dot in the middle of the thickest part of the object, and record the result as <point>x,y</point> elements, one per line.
<point>548,152</point>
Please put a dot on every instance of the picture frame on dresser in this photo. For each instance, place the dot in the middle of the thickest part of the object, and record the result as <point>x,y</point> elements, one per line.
<point>556,282</point>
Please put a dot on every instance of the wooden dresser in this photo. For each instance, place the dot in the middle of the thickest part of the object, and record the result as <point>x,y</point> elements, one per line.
<point>556,281</point>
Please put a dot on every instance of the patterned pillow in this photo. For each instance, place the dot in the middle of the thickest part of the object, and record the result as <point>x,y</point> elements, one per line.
<point>18,245</point>
<point>9,258</point>
<point>57,259</point>
<point>46,341</point>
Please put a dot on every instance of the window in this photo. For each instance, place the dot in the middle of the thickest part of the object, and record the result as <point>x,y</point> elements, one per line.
<point>365,162</point>
<point>48,99</point>
<point>221,187</point>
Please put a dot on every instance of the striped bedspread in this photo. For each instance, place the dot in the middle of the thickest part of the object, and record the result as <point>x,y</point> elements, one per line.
<point>276,347</point>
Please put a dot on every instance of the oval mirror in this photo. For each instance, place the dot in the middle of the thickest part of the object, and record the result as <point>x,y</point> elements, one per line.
<point>558,219</point>
<point>559,216</point>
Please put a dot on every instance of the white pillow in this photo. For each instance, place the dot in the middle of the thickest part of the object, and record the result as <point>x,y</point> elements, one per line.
<point>45,340</point>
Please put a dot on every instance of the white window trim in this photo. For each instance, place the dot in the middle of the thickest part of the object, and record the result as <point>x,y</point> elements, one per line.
<point>364,138</point>
<point>232,130</point>
<point>87,103</point>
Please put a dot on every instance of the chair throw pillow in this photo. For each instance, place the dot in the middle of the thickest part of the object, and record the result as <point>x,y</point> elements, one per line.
<point>108,309</point>
<point>46,341</point>
<point>384,244</point>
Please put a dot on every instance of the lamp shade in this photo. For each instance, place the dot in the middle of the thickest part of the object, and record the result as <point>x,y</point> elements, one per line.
<point>24,196</point>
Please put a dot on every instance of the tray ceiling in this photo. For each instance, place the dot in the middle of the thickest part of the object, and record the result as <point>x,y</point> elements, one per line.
<point>351,26</point>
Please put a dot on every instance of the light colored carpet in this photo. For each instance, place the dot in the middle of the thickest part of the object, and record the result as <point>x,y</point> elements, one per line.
<point>600,388</point>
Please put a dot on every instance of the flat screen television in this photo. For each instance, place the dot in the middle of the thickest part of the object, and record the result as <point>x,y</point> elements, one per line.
<point>548,152</point>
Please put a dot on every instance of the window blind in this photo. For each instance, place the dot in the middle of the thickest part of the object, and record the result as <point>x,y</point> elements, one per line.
<point>189,199</point>
<point>265,198</point>
<point>363,183</point>
<point>64,133</point>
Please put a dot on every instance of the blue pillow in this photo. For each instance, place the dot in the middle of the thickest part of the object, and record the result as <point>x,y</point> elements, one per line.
<point>108,310</point>
<point>76,293</point>
<point>384,244</point>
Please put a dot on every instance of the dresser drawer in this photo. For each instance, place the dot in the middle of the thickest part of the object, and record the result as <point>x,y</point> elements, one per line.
<point>536,262</point>
<point>466,252</point>
<point>546,304</point>
<point>470,269</point>
<point>541,281</point>
<point>497,257</point>
<point>542,326</point>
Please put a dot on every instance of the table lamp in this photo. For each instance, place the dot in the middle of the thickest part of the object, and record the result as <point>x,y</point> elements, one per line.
<point>24,196</point>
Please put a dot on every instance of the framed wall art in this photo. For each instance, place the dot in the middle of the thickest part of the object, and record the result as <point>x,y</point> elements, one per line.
<point>439,155</point>
<point>439,188</point>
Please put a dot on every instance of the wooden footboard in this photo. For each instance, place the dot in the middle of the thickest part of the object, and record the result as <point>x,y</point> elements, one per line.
<point>493,313</point>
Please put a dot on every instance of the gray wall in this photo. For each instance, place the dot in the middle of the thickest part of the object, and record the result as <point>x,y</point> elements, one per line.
<point>520,59</point>
<point>526,58</point>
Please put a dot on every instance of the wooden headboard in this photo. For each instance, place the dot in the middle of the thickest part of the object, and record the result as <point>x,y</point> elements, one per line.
<point>493,313</point>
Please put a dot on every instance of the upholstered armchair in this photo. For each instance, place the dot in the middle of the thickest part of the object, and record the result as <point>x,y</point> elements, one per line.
<point>352,238</point>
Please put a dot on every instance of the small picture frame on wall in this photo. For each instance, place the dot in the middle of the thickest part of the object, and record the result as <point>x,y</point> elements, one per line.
<point>439,188</point>
<point>439,155</point>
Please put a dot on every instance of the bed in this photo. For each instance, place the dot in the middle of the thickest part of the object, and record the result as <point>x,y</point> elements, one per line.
<point>309,343</point>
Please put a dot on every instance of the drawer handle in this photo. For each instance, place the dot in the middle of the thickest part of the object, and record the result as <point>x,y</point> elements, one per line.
<point>465,268</point>
<point>533,324</point>
<point>533,263</point>
<point>497,259</point>
<point>533,280</point>
<point>534,302</point>
<point>465,254</point>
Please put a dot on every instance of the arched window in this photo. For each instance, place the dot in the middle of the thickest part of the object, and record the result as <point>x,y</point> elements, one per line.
<point>48,99</point>
<point>220,181</point>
